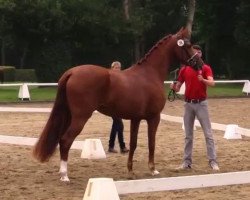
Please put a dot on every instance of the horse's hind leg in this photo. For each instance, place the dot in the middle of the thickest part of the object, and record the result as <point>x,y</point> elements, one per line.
<point>152,128</point>
<point>134,127</point>
<point>66,141</point>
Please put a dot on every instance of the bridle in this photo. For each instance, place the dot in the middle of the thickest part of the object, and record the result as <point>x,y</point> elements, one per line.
<point>191,62</point>
<point>192,58</point>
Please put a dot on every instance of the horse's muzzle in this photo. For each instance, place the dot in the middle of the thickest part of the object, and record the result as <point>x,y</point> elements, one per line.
<point>195,62</point>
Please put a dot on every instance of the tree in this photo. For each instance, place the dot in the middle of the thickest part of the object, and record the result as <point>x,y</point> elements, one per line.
<point>216,23</point>
<point>98,32</point>
<point>190,16</point>
<point>6,7</point>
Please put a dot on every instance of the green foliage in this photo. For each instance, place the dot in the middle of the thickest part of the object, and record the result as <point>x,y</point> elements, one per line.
<point>242,30</point>
<point>223,32</point>
<point>25,75</point>
<point>52,61</point>
<point>8,73</point>
<point>52,35</point>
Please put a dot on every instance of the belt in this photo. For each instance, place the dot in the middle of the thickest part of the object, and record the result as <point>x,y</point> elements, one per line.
<point>194,100</point>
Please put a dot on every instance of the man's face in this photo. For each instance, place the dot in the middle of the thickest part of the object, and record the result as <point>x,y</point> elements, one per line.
<point>199,52</point>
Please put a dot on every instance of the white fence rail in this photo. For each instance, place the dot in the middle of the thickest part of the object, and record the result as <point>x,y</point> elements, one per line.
<point>24,94</point>
<point>107,188</point>
<point>245,89</point>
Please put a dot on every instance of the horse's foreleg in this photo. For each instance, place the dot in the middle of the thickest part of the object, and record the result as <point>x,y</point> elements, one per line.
<point>65,143</point>
<point>152,128</point>
<point>134,127</point>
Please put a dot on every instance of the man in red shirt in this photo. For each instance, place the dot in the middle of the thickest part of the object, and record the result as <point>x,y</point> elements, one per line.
<point>196,82</point>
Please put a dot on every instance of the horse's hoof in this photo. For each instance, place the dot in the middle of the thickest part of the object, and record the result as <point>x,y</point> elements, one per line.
<point>155,172</point>
<point>65,179</point>
<point>131,175</point>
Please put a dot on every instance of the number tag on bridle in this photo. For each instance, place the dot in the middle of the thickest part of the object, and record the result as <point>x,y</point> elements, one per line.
<point>180,43</point>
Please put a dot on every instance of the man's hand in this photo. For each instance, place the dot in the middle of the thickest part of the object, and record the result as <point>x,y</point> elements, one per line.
<point>175,86</point>
<point>171,86</point>
<point>200,77</point>
<point>209,81</point>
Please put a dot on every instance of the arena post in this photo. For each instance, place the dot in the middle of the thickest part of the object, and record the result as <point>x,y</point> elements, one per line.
<point>23,93</point>
<point>101,188</point>
<point>93,149</point>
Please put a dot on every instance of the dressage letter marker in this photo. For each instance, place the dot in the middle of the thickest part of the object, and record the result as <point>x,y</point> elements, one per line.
<point>93,149</point>
<point>101,189</point>
<point>231,132</point>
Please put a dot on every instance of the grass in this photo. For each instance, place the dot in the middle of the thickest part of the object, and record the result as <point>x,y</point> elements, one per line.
<point>10,94</point>
<point>226,90</point>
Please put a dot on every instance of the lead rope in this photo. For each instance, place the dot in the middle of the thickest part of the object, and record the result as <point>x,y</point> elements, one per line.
<point>172,95</point>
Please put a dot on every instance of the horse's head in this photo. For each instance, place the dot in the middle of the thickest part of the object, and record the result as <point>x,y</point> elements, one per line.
<point>184,50</point>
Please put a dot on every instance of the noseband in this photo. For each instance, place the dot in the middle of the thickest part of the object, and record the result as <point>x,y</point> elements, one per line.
<point>191,59</point>
<point>193,62</point>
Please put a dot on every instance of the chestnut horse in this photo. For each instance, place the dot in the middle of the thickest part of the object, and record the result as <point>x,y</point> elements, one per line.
<point>136,93</point>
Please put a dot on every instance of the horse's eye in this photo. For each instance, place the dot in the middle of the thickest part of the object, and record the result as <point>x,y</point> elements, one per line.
<point>187,43</point>
<point>180,42</point>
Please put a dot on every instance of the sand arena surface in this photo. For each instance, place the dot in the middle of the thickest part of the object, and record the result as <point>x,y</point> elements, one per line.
<point>22,177</point>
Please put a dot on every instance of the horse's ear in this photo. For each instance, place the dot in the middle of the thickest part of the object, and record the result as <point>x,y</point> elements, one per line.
<point>186,33</point>
<point>180,31</point>
<point>183,33</point>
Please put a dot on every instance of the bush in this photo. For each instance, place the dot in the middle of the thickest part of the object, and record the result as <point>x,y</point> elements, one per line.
<point>53,60</point>
<point>25,75</point>
<point>7,73</point>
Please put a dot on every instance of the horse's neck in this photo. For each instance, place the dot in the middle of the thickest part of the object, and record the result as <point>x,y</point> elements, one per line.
<point>158,62</point>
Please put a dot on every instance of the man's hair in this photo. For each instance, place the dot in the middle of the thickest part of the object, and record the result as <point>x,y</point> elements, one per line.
<point>198,47</point>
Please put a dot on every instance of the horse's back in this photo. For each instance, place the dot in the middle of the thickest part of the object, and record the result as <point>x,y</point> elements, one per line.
<point>125,94</point>
<point>86,86</point>
<point>131,95</point>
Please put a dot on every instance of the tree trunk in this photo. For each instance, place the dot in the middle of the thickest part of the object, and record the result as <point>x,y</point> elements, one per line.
<point>23,57</point>
<point>139,47</point>
<point>126,9</point>
<point>190,17</point>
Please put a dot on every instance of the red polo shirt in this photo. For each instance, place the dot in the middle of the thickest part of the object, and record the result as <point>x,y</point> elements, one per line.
<point>195,89</point>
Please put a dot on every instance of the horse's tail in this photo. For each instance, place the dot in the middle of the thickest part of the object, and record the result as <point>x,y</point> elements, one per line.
<point>57,123</point>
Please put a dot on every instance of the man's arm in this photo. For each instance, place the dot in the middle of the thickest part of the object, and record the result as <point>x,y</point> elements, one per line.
<point>209,81</point>
<point>176,86</point>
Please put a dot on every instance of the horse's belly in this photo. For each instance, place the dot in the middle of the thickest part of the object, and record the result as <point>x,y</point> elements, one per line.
<point>132,111</point>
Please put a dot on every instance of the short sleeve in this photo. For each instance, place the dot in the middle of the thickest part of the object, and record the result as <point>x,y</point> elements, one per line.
<point>181,75</point>
<point>208,71</point>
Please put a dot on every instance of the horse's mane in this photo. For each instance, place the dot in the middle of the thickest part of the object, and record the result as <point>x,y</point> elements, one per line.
<point>163,40</point>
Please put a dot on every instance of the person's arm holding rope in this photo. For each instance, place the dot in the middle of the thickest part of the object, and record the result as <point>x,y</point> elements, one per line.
<point>176,86</point>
